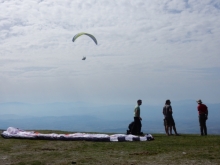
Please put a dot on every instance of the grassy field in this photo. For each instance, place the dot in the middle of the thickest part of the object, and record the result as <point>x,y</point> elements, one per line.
<point>184,149</point>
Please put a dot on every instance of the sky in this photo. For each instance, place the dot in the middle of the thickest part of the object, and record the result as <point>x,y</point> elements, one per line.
<point>149,50</point>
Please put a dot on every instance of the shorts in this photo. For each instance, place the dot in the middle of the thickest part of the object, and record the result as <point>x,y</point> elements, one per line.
<point>169,121</point>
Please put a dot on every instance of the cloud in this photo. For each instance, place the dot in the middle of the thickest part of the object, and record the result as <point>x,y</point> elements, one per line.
<point>155,46</point>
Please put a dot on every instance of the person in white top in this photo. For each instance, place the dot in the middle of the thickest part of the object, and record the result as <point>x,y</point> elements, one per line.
<point>136,130</point>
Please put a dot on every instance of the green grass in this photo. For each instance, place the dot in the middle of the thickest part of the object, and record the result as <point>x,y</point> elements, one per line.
<point>184,149</point>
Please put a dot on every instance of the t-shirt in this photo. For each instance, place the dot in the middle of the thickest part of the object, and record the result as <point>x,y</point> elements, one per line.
<point>202,109</point>
<point>137,111</point>
<point>167,111</point>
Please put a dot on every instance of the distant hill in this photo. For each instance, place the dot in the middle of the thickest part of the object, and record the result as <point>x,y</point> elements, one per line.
<point>84,117</point>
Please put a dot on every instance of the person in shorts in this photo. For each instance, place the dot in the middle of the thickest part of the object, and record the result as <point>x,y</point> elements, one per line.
<point>169,122</point>
<point>170,128</point>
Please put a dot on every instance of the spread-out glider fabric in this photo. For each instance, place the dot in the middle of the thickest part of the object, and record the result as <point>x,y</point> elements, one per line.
<point>12,132</point>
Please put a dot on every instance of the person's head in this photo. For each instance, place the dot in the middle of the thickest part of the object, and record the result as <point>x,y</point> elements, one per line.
<point>199,101</point>
<point>139,102</point>
<point>167,102</point>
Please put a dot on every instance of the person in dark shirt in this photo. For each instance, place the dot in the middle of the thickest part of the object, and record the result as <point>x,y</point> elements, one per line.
<point>203,116</point>
<point>168,118</point>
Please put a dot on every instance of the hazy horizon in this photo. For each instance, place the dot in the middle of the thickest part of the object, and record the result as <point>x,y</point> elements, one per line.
<point>103,118</point>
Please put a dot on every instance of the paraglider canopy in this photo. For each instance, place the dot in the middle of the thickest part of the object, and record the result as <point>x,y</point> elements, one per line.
<point>80,34</point>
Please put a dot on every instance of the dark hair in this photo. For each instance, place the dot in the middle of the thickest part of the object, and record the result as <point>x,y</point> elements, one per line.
<point>167,102</point>
<point>139,101</point>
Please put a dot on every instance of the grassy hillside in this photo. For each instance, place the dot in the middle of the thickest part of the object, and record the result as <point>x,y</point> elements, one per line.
<point>184,149</point>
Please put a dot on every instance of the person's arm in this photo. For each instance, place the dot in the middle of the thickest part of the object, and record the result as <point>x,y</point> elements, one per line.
<point>170,109</point>
<point>163,112</point>
<point>207,112</point>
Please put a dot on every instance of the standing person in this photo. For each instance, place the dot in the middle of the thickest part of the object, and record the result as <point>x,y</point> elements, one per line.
<point>168,119</point>
<point>136,129</point>
<point>170,127</point>
<point>203,116</point>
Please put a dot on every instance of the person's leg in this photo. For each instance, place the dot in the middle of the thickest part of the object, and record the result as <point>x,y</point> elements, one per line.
<point>164,123</point>
<point>174,127</point>
<point>205,128</point>
<point>134,127</point>
<point>170,130</point>
<point>167,126</point>
<point>201,130</point>
<point>167,132</point>
<point>139,127</point>
<point>201,123</point>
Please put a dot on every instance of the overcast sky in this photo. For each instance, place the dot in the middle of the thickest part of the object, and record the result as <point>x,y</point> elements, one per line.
<point>147,49</point>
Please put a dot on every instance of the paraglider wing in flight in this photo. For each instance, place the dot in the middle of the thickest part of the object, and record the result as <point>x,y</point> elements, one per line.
<point>90,35</point>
